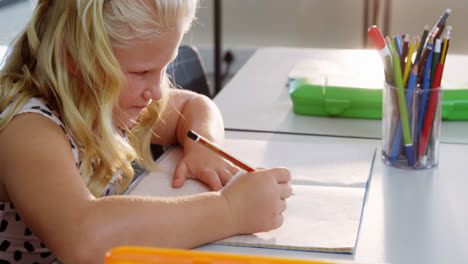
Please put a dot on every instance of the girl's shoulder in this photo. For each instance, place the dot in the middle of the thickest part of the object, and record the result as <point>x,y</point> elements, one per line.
<point>40,106</point>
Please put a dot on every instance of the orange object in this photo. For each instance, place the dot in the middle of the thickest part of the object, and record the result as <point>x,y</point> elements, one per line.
<point>142,255</point>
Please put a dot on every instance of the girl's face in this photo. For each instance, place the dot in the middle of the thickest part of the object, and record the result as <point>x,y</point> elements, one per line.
<point>143,64</point>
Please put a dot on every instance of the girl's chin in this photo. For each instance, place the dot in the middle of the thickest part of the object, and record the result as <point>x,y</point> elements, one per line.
<point>127,120</point>
<point>126,124</point>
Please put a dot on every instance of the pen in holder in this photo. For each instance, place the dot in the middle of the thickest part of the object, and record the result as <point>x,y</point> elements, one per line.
<point>412,102</point>
<point>411,140</point>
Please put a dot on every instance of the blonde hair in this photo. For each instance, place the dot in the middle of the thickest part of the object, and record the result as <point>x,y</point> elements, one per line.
<point>85,31</point>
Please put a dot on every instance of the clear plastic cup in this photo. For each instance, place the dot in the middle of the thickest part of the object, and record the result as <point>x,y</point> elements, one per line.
<point>411,142</point>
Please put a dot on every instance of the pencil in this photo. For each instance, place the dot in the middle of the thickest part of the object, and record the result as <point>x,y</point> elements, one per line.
<point>395,45</point>
<point>409,62</point>
<point>422,43</point>
<point>404,52</point>
<point>446,44</point>
<point>403,109</point>
<point>440,24</point>
<point>389,73</point>
<point>436,59</point>
<point>444,51</point>
<point>205,142</point>
<point>418,41</point>
<point>409,98</point>
<point>425,93</point>
<point>422,61</point>
<point>431,109</point>
<point>399,44</point>
<point>390,44</point>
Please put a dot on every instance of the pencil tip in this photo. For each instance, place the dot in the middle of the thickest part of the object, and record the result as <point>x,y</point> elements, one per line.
<point>192,135</point>
<point>448,32</point>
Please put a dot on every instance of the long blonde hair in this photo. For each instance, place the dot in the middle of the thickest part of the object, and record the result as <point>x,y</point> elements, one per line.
<point>84,31</point>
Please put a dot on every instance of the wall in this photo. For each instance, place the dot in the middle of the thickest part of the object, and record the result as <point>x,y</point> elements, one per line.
<point>249,24</point>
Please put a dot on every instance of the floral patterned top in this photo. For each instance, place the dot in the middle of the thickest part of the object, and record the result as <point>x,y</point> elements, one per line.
<point>18,244</point>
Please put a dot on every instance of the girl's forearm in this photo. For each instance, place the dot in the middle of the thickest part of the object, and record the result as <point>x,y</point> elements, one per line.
<point>184,222</point>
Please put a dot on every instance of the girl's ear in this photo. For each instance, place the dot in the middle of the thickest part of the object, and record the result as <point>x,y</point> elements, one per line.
<point>71,65</point>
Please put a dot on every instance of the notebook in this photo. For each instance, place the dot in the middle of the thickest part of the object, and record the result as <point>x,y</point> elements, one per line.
<point>329,182</point>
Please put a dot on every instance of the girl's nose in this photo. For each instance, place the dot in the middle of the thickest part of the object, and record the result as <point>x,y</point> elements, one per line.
<point>153,90</point>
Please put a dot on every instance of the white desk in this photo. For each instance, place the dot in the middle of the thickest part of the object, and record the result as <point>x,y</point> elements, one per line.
<point>257,99</point>
<point>409,216</point>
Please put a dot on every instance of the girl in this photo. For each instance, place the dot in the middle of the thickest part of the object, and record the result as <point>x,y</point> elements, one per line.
<point>83,93</point>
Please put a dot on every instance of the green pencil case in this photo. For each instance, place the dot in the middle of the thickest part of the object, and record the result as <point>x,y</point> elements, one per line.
<point>322,100</point>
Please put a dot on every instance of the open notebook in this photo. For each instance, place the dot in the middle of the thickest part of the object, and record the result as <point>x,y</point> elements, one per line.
<point>329,183</point>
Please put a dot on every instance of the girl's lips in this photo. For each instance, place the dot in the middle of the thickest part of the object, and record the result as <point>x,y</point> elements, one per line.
<point>137,109</point>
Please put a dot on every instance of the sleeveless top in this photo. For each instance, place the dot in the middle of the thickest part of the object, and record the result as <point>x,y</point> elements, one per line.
<point>17,243</point>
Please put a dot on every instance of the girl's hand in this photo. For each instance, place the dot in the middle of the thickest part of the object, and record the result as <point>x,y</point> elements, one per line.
<point>205,165</point>
<point>258,199</point>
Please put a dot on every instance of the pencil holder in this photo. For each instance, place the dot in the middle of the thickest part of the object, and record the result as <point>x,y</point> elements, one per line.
<point>411,120</point>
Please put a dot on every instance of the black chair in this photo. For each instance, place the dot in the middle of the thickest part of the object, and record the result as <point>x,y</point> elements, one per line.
<point>186,72</point>
<point>7,2</point>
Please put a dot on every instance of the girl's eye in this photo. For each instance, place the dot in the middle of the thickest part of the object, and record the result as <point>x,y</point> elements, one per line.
<point>141,73</point>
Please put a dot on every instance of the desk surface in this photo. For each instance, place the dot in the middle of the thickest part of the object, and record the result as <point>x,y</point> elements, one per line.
<point>409,216</point>
<point>257,99</point>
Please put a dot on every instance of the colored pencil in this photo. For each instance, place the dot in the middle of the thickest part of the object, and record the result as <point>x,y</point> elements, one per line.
<point>446,44</point>
<point>404,52</point>
<point>436,59</point>
<point>398,44</point>
<point>389,75</point>
<point>403,110</point>
<point>205,142</point>
<point>390,44</point>
<point>408,62</point>
<point>409,97</point>
<point>425,94</point>
<point>431,109</point>
<point>440,24</point>
<point>422,62</point>
<point>422,43</point>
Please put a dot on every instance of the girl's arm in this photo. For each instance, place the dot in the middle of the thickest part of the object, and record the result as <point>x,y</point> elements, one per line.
<point>187,110</point>
<point>39,173</point>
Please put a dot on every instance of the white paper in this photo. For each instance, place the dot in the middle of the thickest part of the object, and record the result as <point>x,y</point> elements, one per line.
<point>318,218</point>
<point>329,185</point>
